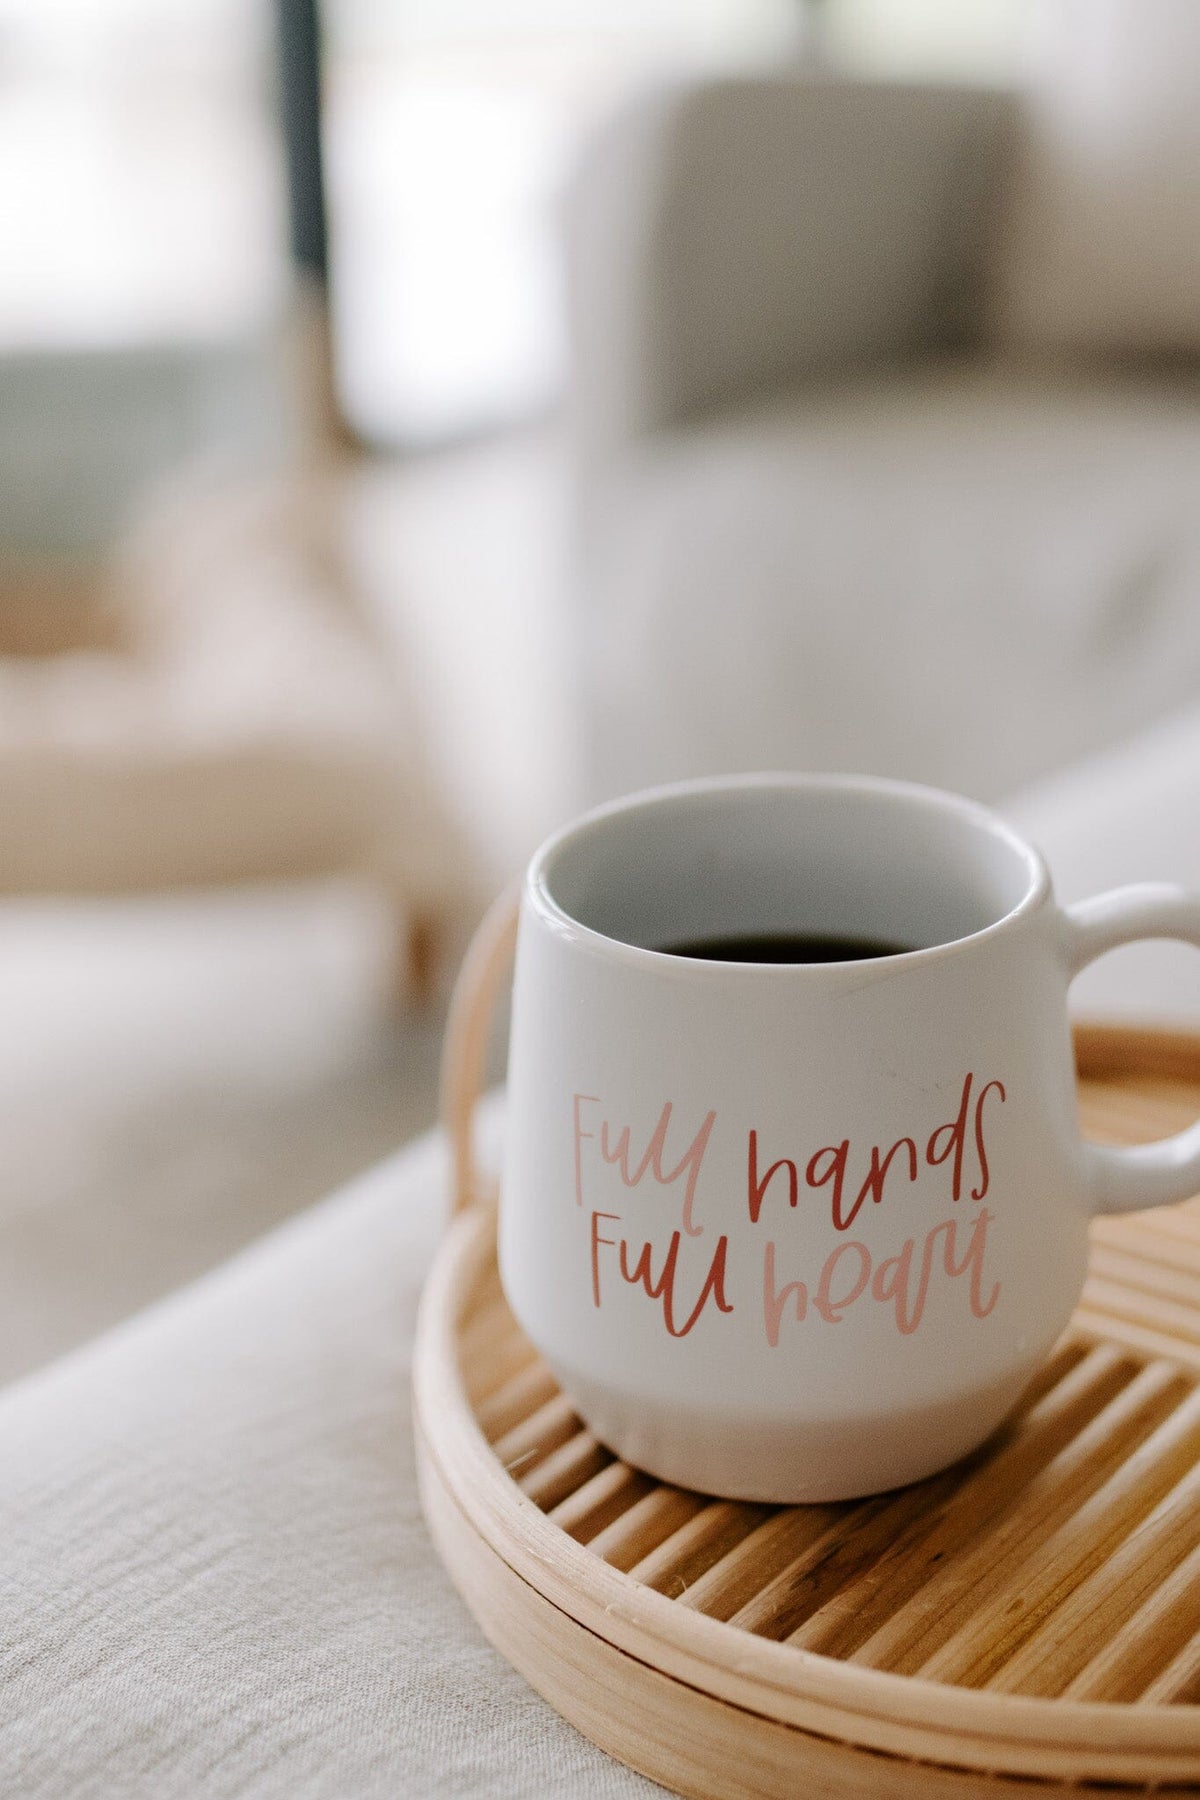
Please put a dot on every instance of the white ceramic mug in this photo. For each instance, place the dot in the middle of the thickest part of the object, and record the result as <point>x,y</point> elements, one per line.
<point>804,1232</point>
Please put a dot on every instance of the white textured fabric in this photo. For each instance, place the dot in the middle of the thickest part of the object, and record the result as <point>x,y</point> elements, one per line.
<point>960,575</point>
<point>214,1578</point>
<point>1103,251</point>
<point>1131,814</point>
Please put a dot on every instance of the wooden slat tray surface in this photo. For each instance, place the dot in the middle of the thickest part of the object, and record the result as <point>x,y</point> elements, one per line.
<point>1027,1621</point>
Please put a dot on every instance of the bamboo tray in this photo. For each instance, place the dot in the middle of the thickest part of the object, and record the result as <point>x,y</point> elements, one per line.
<point>1028,1622</point>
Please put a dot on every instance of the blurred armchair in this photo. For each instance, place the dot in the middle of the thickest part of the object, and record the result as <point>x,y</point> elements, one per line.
<point>228,713</point>
<point>836,510</point>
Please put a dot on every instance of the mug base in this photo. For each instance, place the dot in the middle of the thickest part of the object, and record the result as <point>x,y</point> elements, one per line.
<point>785,1461</point>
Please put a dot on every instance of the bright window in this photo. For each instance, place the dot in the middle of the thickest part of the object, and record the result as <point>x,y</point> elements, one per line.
<point>139,172</point>
<point>450,127</point>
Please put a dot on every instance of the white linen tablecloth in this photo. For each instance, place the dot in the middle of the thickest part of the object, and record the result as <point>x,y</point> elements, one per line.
<point>214,1575</point>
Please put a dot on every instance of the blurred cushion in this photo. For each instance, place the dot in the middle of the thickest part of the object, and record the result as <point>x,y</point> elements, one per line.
<point>1103,250</point>
<point>959,575</point>
<point>245,724</point>
<point>214,1576</point>
<point>1129,814</point>
<point>730,236</point>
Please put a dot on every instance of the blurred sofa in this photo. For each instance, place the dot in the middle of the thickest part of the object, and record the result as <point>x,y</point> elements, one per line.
<point>886,459</point>
<point>827,518</point>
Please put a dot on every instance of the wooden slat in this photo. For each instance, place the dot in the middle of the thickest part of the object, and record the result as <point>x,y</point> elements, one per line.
<point>565,1470</point>
<point>1179,1682</point>
<point>688,1553</point>
<point>645,1526</point>
<point>745,1570</point>
<point>909,1639</point>
<point>1147,1311</point>
<point>1129,1237</point>
<point>585,1513</point>
<point>1042,1574</point>
<point>1124,1666</point>
<point>1139,1340</point>
<point>515,1399</point>
<point>1129,1117</point>
<point>1096,1608</point>
<point>1155,1278</point>
<point>938,1534</point>
<point>1113,1055</point>
<point>504,1354</point>
<point>857,1539</point>
<point>535,1437</point>
<point>489,1326</point>
<point>1181,1224</point>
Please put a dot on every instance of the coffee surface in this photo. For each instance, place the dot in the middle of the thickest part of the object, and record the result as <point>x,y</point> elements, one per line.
<point>784,947</point>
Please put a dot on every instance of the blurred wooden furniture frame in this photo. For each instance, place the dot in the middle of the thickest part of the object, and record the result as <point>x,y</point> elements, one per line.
<point>1032,1614</point>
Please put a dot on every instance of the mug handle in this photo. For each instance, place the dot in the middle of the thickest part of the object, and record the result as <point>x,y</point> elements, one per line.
<point>1126,1180</point>
<point>485,969</point>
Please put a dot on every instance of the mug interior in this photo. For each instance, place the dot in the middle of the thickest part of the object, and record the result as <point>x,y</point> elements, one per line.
<point>761,856</point>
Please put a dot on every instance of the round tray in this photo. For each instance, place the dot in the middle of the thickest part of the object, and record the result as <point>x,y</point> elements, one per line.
<point>1033,1613</point>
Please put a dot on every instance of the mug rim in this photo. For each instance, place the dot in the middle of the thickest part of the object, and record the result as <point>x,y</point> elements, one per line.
<point>537,891</point>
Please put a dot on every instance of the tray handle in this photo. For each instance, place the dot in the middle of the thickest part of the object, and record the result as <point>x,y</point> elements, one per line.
<point>485,969</point>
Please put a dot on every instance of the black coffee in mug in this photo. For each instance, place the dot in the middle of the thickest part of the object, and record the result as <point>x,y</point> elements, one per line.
<point>784,947</point>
